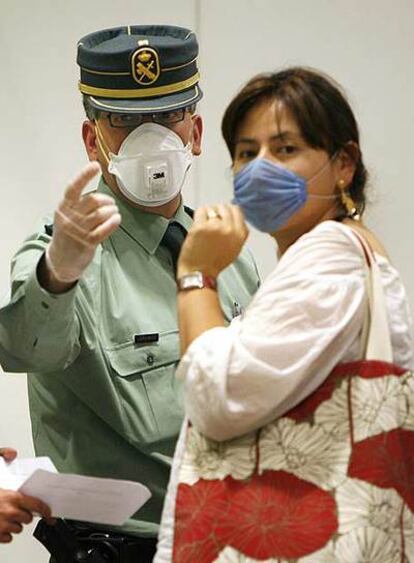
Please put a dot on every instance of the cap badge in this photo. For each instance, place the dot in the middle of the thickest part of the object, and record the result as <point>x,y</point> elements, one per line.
<point>145,66</point>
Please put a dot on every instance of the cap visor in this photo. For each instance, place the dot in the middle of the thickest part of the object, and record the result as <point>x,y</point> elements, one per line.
<point>148,105</point>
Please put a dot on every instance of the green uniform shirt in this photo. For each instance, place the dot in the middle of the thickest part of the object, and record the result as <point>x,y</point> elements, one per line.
<point>100,403</point>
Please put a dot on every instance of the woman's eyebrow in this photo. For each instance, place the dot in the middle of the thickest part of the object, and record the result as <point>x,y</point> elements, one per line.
<point>245,140</point>
<point>282,136</point>
<point>285,135</point>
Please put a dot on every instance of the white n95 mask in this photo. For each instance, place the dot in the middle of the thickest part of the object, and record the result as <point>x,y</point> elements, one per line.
<point>151,165</point>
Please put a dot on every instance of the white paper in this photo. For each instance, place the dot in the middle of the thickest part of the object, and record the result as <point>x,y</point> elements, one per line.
<point>14,473</point>
<point>103,501</point>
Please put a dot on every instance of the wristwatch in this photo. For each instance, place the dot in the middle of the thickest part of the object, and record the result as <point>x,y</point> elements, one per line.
<point>196,280</point>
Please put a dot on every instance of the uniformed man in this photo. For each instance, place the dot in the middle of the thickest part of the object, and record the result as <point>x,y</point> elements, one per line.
<point>92,314</point>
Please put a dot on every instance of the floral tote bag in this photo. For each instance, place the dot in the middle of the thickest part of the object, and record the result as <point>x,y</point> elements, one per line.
<point>330,481</point>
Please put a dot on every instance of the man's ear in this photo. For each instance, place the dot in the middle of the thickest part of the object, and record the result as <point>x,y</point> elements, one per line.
<point>89,139</point>
<point>347,161</point>
<point>197,134</point>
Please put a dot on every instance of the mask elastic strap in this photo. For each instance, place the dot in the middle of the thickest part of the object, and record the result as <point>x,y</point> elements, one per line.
<point>190,141</point>
<point>316,196</point>
<point>101,142</point>
<point>315,176</point>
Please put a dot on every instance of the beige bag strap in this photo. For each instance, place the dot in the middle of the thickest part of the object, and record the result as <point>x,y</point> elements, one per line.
<point>376,337</point>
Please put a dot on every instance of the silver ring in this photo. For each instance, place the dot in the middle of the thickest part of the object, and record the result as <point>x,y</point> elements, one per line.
<point>211,214</point>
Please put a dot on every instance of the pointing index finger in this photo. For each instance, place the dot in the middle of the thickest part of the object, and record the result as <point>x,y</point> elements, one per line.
<point>74,190</point>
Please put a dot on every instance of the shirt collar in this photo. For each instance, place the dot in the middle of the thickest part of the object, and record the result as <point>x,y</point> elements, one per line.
<point>147,229</point>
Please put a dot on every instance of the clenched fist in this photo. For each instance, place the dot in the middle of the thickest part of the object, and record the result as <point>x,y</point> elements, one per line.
<point>214,240</point>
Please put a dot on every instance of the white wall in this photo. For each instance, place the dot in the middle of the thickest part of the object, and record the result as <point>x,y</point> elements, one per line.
<point>366,45</point>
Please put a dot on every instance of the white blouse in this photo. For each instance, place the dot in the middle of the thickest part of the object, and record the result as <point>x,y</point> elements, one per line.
<point>305,319</point>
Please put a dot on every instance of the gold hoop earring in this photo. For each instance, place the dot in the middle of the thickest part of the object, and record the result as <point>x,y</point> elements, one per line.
<point>348,202</point>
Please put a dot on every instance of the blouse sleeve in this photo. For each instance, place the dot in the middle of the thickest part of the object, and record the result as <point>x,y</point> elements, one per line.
<point>300,324</point>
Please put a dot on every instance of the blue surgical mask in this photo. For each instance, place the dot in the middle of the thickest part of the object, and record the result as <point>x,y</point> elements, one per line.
<point>269,194</point>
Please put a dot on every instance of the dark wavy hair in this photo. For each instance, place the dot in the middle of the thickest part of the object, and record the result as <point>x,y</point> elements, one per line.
<point>320,108</point>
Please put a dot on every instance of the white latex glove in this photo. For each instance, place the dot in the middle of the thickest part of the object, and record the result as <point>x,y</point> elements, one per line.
<point>81,223</point>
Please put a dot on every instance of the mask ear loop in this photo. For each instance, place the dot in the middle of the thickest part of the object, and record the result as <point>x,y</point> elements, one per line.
<point>315,176</point>
<point>101,143</point>
<point>189,145</point>
<point>346,200</point>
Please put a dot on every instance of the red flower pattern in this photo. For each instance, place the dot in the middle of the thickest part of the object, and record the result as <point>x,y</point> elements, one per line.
<point>272,515</point>
<point>278,515</point>
<point>305,409</point>
<point>197,509</point>
<point>368,370</point>
<point>387,461</point>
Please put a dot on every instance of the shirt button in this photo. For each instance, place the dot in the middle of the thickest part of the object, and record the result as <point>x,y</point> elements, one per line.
<point>150,359</point>
<point>45,305</point>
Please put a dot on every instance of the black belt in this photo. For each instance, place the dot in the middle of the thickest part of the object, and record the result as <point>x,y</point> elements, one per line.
<point>75,542</point>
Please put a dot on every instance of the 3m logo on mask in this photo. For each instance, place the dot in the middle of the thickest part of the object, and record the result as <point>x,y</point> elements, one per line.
<point>158,175</point>
<point>156,179</point>
<point>145,66</point>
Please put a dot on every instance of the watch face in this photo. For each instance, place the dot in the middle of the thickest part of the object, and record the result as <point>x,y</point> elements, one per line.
<point>191,280</point>
<point>196,280</point>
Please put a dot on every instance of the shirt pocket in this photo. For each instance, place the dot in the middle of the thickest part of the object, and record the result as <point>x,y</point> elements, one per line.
<point>149,393</point>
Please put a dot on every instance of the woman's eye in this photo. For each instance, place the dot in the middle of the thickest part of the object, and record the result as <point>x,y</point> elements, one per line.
<point>245,155</point>
<point>287,149</point>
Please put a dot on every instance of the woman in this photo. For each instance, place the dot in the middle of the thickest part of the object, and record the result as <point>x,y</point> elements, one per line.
<point>299,176</point>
